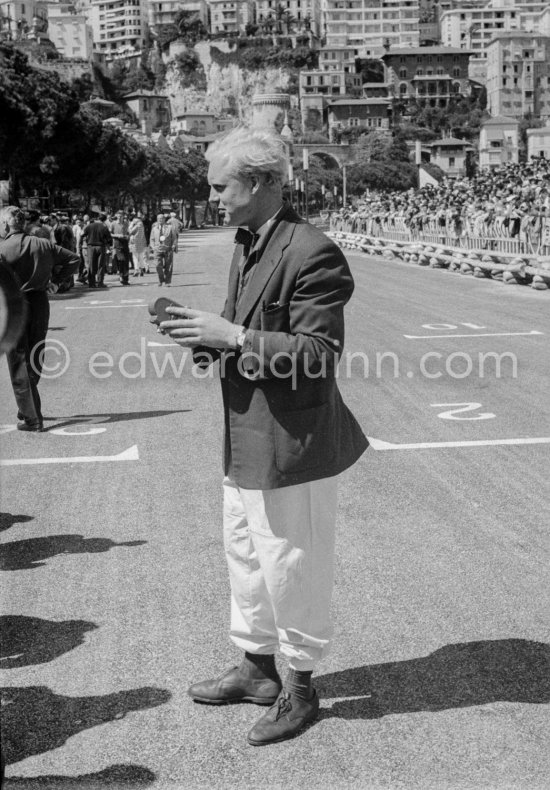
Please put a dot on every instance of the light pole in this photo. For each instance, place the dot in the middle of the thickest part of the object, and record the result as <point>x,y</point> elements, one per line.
<point>290,179</point>
<point>297,188</point>
<point>323,196</point>
<point>303,191</point>
<point>344,185</point>
<point>305,154</point>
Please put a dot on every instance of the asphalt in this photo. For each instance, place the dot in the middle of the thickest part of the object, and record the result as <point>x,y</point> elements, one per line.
<point>114,588</point>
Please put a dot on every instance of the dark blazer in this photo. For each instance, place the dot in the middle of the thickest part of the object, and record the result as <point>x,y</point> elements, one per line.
<point>285,420</point>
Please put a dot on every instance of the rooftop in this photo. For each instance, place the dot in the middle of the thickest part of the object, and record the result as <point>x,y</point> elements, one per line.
<point>497,120</point>
<point>146,94</point>
<point>426,51</point>
<point>451,141</point>
<point>359,102</point>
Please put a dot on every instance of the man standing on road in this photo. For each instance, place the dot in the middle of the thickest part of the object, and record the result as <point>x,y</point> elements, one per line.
<point>97,237</point>
<point>162,244</point>
<point>121,249</point>
<point>288,433</point>
<point>36,262</point>
<point>176,225</point>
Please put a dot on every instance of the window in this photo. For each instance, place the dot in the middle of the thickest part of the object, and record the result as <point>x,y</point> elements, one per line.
<point>451,161</point>
<point>403,74</point>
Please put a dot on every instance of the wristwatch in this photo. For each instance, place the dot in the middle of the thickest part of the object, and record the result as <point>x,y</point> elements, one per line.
<point>240,338</point>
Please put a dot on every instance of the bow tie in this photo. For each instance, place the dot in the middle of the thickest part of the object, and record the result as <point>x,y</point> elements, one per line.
<point>246,238</point>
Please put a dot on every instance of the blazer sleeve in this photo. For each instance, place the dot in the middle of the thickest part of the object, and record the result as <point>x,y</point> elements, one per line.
<point>313,346</point>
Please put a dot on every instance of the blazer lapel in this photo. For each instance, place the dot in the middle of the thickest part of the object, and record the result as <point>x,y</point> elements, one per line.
<point>271,257</point>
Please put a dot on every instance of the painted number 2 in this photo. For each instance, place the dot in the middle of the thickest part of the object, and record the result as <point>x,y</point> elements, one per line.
<point>460,408</point>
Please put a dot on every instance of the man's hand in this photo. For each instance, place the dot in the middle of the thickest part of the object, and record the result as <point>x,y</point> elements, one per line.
<point>192,328</point>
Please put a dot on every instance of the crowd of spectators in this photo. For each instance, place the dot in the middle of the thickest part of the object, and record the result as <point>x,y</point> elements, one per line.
<point>510,201</point>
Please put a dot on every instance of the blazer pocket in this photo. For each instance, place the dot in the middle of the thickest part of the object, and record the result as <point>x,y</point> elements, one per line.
<point>276,319</point>
<point>302,439</point>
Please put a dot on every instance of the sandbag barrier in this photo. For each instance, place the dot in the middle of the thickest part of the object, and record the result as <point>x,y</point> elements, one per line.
<point>531,270</point>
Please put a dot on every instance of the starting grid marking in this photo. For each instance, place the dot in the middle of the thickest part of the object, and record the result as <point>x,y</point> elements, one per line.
<point>131,454</point>
<point>483,334</point>
<point>380,444</point>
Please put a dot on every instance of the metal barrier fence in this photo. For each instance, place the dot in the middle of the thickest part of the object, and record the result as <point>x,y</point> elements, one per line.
<point>494,236</point>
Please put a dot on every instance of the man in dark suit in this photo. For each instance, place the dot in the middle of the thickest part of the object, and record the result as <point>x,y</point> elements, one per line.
<point>288,433</point>
<point>37,263</point>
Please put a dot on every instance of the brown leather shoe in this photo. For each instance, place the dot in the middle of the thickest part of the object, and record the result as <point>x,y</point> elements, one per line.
<point>236,686</point>
<point>285,719</point>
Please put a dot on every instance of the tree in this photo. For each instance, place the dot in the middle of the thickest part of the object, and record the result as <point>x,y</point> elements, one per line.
<point>381,175</point>
<point>190,27</point>
<point>33,104</point>
<point>371,69</point>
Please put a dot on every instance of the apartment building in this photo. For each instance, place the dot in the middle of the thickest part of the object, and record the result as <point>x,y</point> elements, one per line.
<point>337,59</point>
<point>430,75</point>
<point>518,75</point>
<point>319,88</point>
<point>231,16</point>
<point>368,114</point>
<point>69,31</point>
<point>151,109</point>
<point>118,26</point>
<point>366,26</point>
<point>474,26</point>
<point>303,14</point>
<point>498,142</point>
<point>22,19</point>
<point>164,12</point>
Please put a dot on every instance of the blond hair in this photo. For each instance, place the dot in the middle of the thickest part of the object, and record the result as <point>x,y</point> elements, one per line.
<point>251,152</point>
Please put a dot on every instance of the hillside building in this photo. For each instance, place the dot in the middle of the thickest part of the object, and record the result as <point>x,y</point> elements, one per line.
<point>367,114</point>
<point>450,154</point>
<point>518,75</point>
<point>20,19</point>
<point>538,142</point>
<point>498,142</point>
<point>320,88</point>
<point>151,109</point>
<point>430,75</point>
<point>302,14</point>
<point>230,16</point>
<point>164,12</point>
<point>118,26</point>
<point>366,26</point>
<point>200,124</point>
<point>70,31</point>
<point>473,26</point>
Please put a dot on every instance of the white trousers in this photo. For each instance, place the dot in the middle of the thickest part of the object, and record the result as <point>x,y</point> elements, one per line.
<point>280,553</point>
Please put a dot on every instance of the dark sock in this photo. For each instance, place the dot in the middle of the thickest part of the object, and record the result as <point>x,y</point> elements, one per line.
<point>260,665</point>
<point>299,684</point>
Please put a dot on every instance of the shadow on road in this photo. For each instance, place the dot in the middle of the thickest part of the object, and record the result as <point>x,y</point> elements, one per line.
<point>115,777</point>
<point>36,720</point>
<point>32,640</point>
<point>456,676</point>
<point>111,418</point>
<point>20,555</point>
<point>7,520</point>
